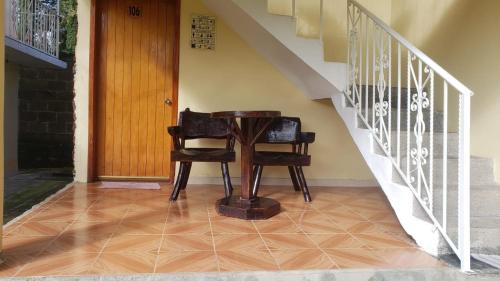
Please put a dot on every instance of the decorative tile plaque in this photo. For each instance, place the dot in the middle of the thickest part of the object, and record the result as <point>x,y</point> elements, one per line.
<point>203,32</point>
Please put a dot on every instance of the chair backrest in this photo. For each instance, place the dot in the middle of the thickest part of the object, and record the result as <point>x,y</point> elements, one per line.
<point>201,125</point>
<point>282,130</point>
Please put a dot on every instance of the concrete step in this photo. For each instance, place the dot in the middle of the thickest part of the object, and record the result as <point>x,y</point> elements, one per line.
<point>438,141</point>
<point>483,240</point>
<point>482,171</point>
<point>485,209</point>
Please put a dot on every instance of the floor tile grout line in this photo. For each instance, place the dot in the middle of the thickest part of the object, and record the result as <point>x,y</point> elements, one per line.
<point>52,241</point>
<point>162,237</point>
<point>213,241</point>
<point>317,245</point>
<point>108,240</point>
<point>267,247</point>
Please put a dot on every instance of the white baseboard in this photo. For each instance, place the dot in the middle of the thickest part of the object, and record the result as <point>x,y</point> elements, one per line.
<point>287,181</point>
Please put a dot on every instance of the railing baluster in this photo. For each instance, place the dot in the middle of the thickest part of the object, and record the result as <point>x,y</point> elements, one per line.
<point>431,144</point>
<point>367,70</point>
<point>445,155</point>
<point>398,145</point>
<point>389,130</point>
<point>408,117</point>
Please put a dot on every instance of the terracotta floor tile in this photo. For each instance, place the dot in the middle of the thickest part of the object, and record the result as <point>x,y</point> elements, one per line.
<point>179,216</point>
<point>246,260</point>
<point>363,227</point>
<point>187,242</point>
<point>77,244</point>
<point>90,230</point>
<point>238,242</point>
<point>382,241</point>
<point>56,216</point>
<point>233,226</point>
<point>62,264</point>
<point>133,243</point>
<point>277,227</point>
<point>303,258</point>
<point>142,227</point>
<point>29,245</point>
<point>320,227</point>
<point>288,241</point>
<point>335,241</point>
<point>40,228</point>
<point>404,258</point>
<point>192,261</point>
<point>12,264</point>
<point>123,263</point>
<point>187,227</point>
<point>355,258</point>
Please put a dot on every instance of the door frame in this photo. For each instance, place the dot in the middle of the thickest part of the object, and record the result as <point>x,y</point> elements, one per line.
<point>92,126</point>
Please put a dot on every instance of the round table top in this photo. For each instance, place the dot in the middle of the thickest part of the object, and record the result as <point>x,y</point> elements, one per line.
<point>246,114</point>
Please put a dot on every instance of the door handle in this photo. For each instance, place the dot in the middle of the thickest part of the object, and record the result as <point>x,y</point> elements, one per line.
<point>168,102</point>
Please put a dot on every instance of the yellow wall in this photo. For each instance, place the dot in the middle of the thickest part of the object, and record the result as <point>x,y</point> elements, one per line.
<point>462,36</point>
<point>234,77</point>
<point>335,24</point>
<point>2,74</point>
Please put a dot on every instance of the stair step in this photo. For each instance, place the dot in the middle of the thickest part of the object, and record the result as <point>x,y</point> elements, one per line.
<point>483,240</point>
<point>482,171</point>
<point>484,205</point>
<point>280,7</point>
<point>308,16</point>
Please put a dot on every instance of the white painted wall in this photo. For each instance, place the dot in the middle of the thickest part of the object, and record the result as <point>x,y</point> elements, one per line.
<point>11,117</point>
<point>82,91</point>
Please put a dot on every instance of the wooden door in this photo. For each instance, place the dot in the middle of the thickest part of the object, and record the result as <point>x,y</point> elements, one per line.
<point>136,80</point>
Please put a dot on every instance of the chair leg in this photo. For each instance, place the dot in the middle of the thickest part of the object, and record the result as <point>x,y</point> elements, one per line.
<point>303,184</point>
<point>256,179</point>
<point>186,175</point>
<point>228,187</point>
<point>178,182</point>
<point>293,176</point>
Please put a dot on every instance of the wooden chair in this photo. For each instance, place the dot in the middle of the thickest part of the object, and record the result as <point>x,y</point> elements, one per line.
<point>196,125</point>
<point>285,130</point>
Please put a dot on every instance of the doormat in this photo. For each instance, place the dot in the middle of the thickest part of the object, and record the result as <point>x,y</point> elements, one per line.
<point>129,185</point>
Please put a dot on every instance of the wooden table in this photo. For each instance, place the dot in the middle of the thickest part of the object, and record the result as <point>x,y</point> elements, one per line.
<point>247,206</point>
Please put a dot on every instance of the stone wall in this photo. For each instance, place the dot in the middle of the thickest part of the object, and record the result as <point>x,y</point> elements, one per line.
<point>46,118</point>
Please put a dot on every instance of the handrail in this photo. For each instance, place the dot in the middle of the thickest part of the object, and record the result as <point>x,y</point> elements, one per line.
<point>378,57</point>
<point>423,57</point>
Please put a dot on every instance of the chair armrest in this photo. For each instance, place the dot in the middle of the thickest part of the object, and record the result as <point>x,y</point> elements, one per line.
<point>175,131</point>
<point>307,137</point>
<point>177,136</point>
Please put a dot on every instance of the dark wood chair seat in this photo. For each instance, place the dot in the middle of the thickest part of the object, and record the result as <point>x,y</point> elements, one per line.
<point>203,155</point>
<point>285,130</point>
<point>275,158</point>
<point>198,125</point>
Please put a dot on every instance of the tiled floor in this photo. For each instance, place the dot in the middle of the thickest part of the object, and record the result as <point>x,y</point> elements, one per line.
<point>88,230</point>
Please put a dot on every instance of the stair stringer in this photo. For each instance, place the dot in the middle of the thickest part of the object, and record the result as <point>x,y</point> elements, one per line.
<point>402,200</point>
<point>299,59</point>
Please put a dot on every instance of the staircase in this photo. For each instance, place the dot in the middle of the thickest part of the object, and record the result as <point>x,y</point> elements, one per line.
<point>408,117</point>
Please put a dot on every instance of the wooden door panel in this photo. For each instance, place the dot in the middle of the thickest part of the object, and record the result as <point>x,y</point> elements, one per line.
<point>135,67</point>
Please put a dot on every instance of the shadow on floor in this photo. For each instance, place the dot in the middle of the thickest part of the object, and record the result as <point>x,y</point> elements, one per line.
<point>30,187</point>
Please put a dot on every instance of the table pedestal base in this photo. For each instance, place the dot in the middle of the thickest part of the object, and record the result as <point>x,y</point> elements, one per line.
<point>260,209</point>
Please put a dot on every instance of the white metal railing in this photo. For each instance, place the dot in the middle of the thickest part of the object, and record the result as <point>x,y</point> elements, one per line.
<point>34,23</point>
<point>404,98</point>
